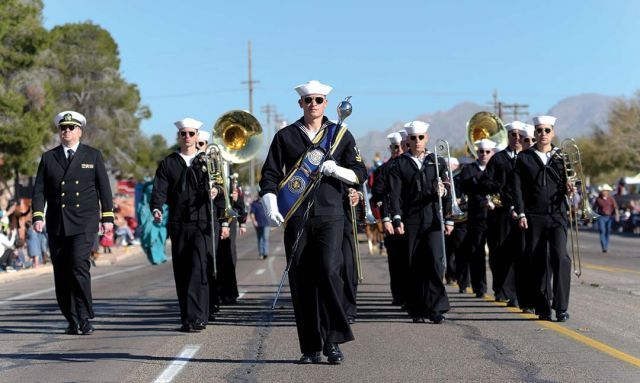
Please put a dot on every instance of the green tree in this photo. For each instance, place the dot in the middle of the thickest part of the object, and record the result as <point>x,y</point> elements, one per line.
<point>87,78</point>
<point>25,92</point>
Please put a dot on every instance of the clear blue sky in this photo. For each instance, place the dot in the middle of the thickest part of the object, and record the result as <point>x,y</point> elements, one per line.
<point>398,59</point>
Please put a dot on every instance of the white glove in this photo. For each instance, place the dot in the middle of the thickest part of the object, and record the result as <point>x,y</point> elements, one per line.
<point>330,168</point>
<point>270,204</point>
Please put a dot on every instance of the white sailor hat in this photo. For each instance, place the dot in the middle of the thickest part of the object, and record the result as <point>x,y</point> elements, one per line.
<point>485,144</point>
<point>69,117</point>
<point>203,136</point>
<point>544,120</point>
<point>515,125</point>
<point>416,127</point>
<point>313,87</point>
<point>403,134</point>
<point>394,138</point>
<point>188,123</point>
<point>527,131</point>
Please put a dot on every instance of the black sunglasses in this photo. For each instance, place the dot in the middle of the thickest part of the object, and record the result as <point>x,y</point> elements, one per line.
<point>395,147</point>
<point>529,140</point>
<point>201,144</point>
<point>67,127</point>
<point>546,130</point>
<point>420,137</point>
<point>184,134</point>
<point>319,100</point>
<point>484,151</point>
<point>515,134</point>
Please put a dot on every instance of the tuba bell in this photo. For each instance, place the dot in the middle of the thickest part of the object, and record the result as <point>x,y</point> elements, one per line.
<point>239,136</point>
<point>486,125</point>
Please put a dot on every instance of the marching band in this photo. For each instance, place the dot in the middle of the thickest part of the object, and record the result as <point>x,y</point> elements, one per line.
<point>510,202</point>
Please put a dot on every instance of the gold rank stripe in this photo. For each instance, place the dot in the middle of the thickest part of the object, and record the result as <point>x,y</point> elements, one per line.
<point>108,214</point>
<point>38,214</point>
<point>600,346</point>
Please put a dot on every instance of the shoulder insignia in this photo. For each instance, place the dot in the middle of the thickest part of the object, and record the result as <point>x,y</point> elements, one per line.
<point>358,156</point>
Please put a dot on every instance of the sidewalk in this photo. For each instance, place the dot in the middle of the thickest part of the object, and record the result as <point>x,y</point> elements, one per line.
<point>118,254</point>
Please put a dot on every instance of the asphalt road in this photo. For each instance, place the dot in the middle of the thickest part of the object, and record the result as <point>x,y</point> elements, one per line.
<point>480,341</point>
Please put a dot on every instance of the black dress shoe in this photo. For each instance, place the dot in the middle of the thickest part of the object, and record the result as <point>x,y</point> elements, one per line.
<point>546,317</point>
<point>333,353</point>
<point>562,316</point>
<point>86,328</point>
<point>351,320</point>
<point>310,357</point>
<point>198,326</point>
<point>436,318</point>
<point>479,295</point>
<point>528,310</point>
<point>72,329</point>
<point>186,327</point>
<point>418,320</point>
<point>512,303</point>
<point>212,317</point>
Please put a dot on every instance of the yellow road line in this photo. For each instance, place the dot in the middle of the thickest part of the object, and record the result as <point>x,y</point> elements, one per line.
<point>574,335</point>
<point>607,268</point>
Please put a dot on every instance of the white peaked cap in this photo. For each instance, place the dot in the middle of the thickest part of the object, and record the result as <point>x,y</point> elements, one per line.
<point>203,136</point>
<point>454,161</point>
<point>69,117</point>
<point>544,120</point>
<point>403,134</point>
<point>188,123</point>
<point>416,127</point>
<point>485,144</point>
<point>515,125</point>
<point>394,138</point>
<point>313,87</point>
<point>527,131</point>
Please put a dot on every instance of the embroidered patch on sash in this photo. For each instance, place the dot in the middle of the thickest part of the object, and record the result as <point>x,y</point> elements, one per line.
<point>315,156</point>
<point>296,184</point>
<point>87,166</point>
<point>358,156</point>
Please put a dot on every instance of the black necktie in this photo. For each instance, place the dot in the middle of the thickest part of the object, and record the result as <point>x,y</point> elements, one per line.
<point>69,156</point>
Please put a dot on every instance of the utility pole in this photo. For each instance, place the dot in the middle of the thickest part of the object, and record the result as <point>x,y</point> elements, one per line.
<point>502,110</point>
<point>269,110</point>
<point>250,82</point>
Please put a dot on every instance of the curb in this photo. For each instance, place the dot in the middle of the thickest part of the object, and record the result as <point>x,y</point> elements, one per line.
<point>103,260</point>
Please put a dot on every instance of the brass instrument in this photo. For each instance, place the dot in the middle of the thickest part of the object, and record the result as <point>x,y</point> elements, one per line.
<point>495,199</point>
<point>574,175</point>
<point>457,215</point>
<point>356,248</point>
<point>369,219</point>
<point>485,125</point>
<point>440,145</point>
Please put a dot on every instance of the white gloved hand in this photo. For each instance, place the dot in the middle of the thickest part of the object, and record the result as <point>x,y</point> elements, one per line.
<point>270,204</point>
<point>328,167</point>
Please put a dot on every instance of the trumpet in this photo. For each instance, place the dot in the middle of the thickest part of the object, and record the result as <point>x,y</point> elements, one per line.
<point>574,175</point>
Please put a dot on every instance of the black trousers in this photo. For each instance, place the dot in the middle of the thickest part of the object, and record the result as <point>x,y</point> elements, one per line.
<point>71,273</point>
<point>315,279</point>
<point>398,258</point>
<point>472,255</point>
<point>189,246</point>
<point>504,240</point>
<point>226,262</point>
<point>427,294</point>
<point>349,270</point>
<point>453,242</point>
<point>546,246</point>
<point>214,295</point>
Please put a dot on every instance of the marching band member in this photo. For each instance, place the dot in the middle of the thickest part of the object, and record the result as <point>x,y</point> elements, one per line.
<point>71,180</point>
<point>472,257</point>
<point>503,236</point>
<point>414,191</point>
<point>396,245</point>
<point>183,186</point>
<point>527,137</point>
<point>540,188</point>
<point>454,241</point>
<point>314,278</point>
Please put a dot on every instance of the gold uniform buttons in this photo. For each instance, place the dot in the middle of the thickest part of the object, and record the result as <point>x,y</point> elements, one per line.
<point>62,194</point>
<point>77,193</point>
<point>77,205</point>
<point>77,182</point>
<point>63,205</point>
<point>62,183</point>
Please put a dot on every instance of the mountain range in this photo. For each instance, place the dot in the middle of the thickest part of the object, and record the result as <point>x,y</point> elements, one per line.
<point>577,116</point>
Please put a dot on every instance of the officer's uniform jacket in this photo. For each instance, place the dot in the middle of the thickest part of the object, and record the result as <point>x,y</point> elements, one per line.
<point>288,145</point>
<point>77,196</point>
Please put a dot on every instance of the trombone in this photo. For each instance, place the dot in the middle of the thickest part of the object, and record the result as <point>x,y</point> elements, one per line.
<point>354,224</point>
<point>572,161</point>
